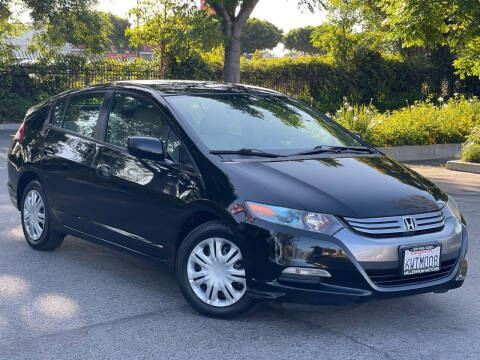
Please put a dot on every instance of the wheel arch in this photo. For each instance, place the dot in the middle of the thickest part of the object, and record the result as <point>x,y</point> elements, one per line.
<point>200,213</point>
<point>24,180</point>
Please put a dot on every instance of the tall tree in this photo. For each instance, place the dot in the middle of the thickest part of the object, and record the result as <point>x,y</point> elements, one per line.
<point>76,29</point>
<point>42,10</point>
<point>260,35</point>
<point>234,15</point>
<point>42,13</point>
<point>176,29</point>
<point>9,27</point>
<point>300,39</point>
<point>233,24</point>
<point>119,27</point>
<point>351,26</point>
<point>455,23</point>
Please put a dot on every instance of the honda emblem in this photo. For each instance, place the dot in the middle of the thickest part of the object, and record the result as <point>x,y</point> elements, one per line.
<point>409,223</point>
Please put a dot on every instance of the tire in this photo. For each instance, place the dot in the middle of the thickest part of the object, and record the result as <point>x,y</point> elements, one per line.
<point>38,231</point>
<point>213,283</point>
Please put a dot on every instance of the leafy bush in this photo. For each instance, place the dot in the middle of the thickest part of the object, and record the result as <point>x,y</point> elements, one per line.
<point>471,148</point>
<point>423,123</point>
<point>383,82</point>
<point>387,82</point>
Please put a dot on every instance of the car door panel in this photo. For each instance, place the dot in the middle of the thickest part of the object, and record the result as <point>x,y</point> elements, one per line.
<point>135,205</point>
<point>68,155</point>
<point>138,202</point>
<point>68,163</point>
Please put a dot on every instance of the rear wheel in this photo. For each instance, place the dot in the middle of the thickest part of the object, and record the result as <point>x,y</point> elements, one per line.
<point>36,219</point>
<point>211,273</point>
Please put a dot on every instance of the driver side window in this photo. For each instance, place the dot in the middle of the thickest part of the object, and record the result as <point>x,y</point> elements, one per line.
<point>132,116</point>
<point>136,116</point>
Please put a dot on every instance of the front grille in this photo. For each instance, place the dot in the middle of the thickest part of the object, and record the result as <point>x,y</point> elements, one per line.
<point>393,277</point>
<point>396,225</point>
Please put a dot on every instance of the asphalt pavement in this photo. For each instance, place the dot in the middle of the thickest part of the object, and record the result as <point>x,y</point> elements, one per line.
<point>84,301</point>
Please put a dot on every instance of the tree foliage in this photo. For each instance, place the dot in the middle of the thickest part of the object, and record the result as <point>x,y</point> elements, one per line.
<point>9,27</point>
<point>76,29</point>
<point>118,38</point>
<point>351,27</point>
<point>260,35</point>
<point>300,39</point>
<point>177,29</point>
<point>455,23</point>
<point>45,14</point>
<point>43,11</point>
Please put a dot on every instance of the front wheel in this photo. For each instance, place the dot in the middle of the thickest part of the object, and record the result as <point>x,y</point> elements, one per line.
<point>211,273</point>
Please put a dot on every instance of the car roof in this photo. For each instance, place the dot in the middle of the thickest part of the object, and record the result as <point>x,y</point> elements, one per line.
<point>177,87</point>
<point>170,87</point>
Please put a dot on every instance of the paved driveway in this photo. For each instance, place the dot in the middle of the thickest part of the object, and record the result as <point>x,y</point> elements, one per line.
<point>87,302</point>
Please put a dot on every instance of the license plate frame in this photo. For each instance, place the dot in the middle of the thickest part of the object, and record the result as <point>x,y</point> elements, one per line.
<point>406,251</point>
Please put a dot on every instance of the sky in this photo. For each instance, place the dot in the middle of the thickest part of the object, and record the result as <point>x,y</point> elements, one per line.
<point>282,13</point>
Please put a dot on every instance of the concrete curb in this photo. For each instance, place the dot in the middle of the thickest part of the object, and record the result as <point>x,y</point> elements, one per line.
<point>458,165</point>
<point>422,152</point>
<point>9,126</point>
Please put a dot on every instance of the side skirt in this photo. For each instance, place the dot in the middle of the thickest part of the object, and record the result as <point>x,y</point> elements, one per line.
<point>111,245</point>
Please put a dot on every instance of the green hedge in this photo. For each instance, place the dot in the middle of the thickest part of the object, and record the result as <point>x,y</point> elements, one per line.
<point>386,82</point>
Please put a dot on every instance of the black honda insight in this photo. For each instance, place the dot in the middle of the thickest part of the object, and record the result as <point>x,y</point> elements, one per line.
<point>245,193</point>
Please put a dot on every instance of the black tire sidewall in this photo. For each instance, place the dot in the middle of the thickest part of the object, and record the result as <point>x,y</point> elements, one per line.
<point>205,231</point>
<point>43,240</point>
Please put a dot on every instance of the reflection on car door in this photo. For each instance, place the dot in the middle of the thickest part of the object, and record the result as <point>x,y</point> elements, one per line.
<point>137,201</point>
<point>68,156</point>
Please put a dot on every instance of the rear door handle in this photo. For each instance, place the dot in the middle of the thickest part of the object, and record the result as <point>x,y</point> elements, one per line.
<point>104,171</point>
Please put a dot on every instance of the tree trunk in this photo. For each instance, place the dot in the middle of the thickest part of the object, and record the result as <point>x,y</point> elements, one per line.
<point>231,71</point>
<point>232,31</point>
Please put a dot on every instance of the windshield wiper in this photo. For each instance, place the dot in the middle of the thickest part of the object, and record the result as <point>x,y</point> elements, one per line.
<point>248,152</point>
<point>335,149</point>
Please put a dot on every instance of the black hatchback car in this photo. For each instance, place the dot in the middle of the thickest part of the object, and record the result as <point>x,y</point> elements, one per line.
<point>245,193</point>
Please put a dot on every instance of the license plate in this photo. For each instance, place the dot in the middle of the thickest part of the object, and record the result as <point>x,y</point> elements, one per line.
<point>421,259</point>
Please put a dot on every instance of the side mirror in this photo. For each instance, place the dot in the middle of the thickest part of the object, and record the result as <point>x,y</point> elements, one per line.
<point>358,136</point>
<point>145,147</point>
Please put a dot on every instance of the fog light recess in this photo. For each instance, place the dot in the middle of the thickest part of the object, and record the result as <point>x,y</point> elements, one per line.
<point>306,272</point>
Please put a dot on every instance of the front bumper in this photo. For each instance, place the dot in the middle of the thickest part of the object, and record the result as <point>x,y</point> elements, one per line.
<point>349,257</point>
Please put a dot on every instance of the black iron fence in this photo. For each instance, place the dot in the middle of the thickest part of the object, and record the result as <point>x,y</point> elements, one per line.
<point>31,78</point>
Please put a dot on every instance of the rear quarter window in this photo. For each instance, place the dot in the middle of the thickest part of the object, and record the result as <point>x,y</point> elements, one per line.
<point>36,119</point>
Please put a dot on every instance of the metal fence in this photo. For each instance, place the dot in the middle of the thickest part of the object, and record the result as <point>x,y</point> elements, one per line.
<point>31,74</point>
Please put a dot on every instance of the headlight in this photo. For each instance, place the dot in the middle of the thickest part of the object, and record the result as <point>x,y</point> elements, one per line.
<point>299,219</point>
<point>453,209</point>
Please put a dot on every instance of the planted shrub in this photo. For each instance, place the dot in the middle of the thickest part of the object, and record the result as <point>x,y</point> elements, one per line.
<point>471,148</point>
<point>423,123</point>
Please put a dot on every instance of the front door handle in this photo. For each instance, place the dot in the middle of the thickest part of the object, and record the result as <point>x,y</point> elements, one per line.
<point>104,171</point>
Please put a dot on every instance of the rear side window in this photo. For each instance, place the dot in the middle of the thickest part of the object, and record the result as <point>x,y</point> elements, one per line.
<point>82,113</point>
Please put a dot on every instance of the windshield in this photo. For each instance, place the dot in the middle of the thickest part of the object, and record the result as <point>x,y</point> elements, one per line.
<point>267,123</point>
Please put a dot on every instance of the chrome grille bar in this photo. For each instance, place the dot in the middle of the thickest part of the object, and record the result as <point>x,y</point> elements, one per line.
<point>396,224</point>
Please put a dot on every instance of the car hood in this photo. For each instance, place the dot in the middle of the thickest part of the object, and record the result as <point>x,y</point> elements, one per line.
<point>363,186</point>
